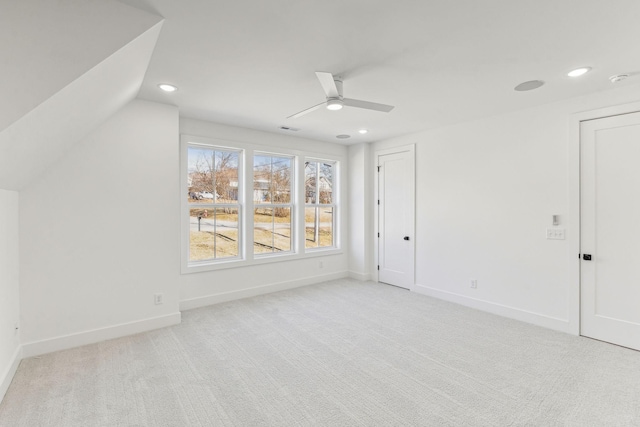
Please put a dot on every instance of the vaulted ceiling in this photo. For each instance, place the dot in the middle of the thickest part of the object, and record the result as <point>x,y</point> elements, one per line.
<point>252,63</point>
<point>68,65</point>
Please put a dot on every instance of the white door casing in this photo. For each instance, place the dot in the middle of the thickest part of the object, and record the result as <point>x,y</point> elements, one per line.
<point>610,229</point>
<point>396,216</point>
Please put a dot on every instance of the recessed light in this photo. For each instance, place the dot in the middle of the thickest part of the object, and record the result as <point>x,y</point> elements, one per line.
<point>362,131</point>
<point>343,136</point>
<point>579,72</point>
<point>167,87</point>
<point>530,85</point>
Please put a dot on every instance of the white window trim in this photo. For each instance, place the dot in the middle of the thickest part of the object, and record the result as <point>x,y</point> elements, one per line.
<point>247,257</point>
<point>335,205</point>
<point>291,205</point>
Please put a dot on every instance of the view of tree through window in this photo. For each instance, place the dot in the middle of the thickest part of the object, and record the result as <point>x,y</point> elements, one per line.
<point>214,212</point>
<point>244,206</point>
<point>272,191</point>
<point>320,206</point>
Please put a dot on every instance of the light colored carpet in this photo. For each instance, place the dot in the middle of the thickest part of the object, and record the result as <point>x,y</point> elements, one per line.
<point>343,353</point>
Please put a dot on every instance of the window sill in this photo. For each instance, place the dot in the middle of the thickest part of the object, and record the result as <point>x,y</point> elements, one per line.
<point>266,259</point>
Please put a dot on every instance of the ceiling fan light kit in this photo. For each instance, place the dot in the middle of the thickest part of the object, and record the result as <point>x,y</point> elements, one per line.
<point>334,104</point>
<point>332,87</point>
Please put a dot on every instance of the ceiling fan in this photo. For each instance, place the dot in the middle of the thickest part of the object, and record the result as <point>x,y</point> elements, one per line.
<point>335,100</point>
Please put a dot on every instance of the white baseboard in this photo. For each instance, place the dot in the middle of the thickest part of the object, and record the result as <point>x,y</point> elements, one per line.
<point>538,319</point>
<point>37,348</point>
<point>7,375</point>
<point>360,276</point>
<point>204,301</point>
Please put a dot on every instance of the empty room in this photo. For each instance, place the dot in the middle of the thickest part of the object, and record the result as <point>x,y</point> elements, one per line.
<point>319,213</point>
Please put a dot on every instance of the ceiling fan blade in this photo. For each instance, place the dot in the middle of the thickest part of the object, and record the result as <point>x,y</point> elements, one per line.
<point>308,110</point>
<point>328,84</point>
<point>368,105</point>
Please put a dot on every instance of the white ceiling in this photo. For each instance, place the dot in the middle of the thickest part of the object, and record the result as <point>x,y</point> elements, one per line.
<point>70,65</point>
<point>251,63</point>
<point>46,45</point>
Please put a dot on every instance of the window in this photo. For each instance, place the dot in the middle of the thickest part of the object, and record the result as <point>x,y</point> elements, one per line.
<point>242,205</point>
<point>320,208</point>
<point>272,203</point>
<point>214,183</point>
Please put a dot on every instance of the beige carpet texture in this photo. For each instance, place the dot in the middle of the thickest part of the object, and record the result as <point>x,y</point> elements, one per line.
<point>341,353</point>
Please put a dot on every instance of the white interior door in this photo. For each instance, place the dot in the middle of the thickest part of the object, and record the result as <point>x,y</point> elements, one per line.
<point>610,229</point>
<point>396,183</point>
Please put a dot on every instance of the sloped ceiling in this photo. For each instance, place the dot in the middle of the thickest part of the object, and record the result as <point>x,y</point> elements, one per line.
<point>72,64</point>
<point>251,63</point>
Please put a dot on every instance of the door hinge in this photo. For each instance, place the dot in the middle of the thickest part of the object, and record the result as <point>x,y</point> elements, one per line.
<point>378,234</point>
<point>378,201</point>
<point>378,268</point>
<point>378,168</point>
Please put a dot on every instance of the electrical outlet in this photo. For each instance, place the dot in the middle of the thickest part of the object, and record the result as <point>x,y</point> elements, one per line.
<point>474,283</point>
<point>158,299</point>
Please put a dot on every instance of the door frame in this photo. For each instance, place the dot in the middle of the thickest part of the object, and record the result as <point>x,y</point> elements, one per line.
<point>573,223</point>
<point>411,149</point>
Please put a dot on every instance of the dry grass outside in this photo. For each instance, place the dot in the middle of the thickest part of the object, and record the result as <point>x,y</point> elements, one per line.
<point>225,240</point>
<point>326,214</point>
<point>325,236</point>
<point>223,214</point>
<point>201,244</point>
<point>261,215</point>
<point>267,242</point>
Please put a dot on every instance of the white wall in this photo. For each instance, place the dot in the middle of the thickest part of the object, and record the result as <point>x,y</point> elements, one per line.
<point>360,235</point>
<point>9,289</point>
<point>197,289</point>
<point>485,194</point>
<point>99,234</point>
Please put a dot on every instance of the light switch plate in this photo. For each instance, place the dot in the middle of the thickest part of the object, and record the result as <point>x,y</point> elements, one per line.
<point>555,233</point>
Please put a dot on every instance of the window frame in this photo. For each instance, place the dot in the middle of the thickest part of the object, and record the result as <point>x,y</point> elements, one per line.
<point>214,205</point>
<point>245,203</point>
<point>292,205</point>
<point>317,205</point>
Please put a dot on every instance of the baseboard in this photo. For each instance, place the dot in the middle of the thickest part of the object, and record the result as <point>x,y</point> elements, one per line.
<point>37,348</point>
<point>8,374</point>
<point>360,276</point>
<point>204,301</point>
<point>538,319</point>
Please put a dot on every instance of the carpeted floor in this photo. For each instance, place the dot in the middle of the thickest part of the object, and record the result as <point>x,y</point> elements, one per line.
<point>343,353</point>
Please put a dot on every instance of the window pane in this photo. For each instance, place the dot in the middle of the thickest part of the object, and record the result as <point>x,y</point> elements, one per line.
<point>281,172</point>
<point>319,227</point>
<point>326,226</point>
<point>200,174</point>
<point>272,230</point>
<point>262,179</point>
<point>271,179</point>
<point>326,183</point>
<point>213,233</point>
<point>310,177</point>
<point>226,176</point>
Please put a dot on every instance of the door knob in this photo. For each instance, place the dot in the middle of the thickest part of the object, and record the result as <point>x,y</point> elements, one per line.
<point>406,237</point>
<point>586,257</point>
